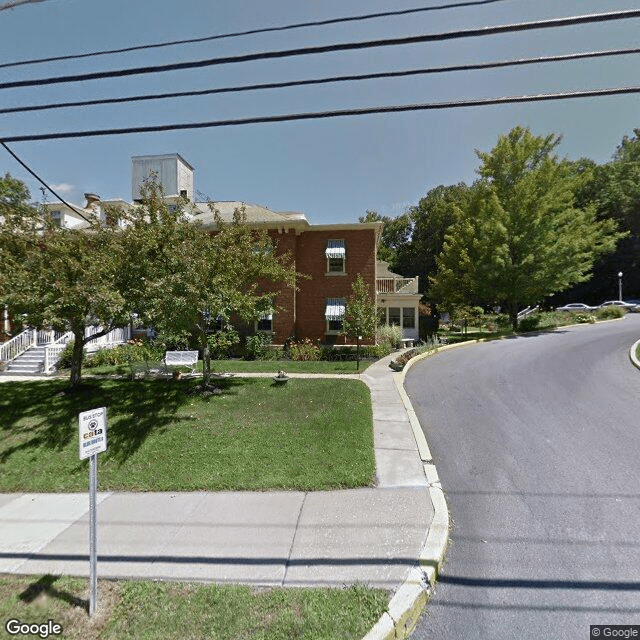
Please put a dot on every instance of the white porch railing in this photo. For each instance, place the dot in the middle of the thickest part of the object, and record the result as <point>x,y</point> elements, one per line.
<point>53,350</point>
<point>397,285</point>
<point>527,312</point>
<point>116,336</point>
<point>18,345</point>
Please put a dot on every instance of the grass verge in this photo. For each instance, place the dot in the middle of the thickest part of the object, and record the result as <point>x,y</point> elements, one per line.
<point>145,610</point>
<point>252,435</point>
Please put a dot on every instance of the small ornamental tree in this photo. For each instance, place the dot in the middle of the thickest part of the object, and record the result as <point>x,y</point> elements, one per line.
<point>360,316</point>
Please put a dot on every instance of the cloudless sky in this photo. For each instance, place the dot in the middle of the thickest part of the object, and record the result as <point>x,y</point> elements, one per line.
<point>332,170</point>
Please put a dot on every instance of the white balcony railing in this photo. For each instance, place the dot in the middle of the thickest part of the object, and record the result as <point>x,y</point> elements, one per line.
<point>397,285</point>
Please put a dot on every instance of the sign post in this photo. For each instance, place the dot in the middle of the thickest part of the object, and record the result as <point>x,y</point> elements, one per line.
<point>92,441</point>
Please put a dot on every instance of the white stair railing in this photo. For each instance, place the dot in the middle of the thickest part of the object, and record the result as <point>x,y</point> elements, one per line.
<point>52,352</point>
<point>18,345</point>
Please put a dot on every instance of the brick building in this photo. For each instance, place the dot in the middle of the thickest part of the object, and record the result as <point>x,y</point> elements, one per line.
<point>330,256</point>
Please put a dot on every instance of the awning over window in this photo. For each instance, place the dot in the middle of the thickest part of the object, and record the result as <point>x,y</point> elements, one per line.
<point>334,308</point>
<point>335,249</point>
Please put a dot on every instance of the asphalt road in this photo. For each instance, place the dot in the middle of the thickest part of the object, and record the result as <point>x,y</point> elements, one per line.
<point>537,443</point>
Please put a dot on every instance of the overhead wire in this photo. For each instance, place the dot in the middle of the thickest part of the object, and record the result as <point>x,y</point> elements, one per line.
<point>42,182</point>
<point>325,80</point>
<point>236,34</point>
<point>331,48</point>
<point>323,114</point>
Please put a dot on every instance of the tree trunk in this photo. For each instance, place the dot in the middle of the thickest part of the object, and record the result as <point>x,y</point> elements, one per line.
<point>76,358</point>
<point>358,353</point>
<point>513,316</point>
<point>206,361</point>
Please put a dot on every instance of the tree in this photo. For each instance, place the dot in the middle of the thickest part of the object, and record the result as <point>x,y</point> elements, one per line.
<point>193,283</point>
<point>395,233</point>
<point>360,317</point>
<point>65,279</point>
<point>431,217</point>
<point>520,238</point>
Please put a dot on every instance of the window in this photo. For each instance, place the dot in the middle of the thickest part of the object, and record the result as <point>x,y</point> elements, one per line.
<point>335,253</point>
<point>334,314</point>
<point>394,316</point>
<point>265,323</point>
<point>408,318</point>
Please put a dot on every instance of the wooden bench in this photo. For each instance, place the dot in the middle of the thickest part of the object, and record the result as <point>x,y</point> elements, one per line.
<point>181,359</point>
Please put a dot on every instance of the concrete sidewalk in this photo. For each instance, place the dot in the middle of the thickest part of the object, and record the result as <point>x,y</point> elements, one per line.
<point>278,538</point>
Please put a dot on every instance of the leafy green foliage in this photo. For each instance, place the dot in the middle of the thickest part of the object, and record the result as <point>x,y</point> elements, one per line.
<point>258,347</point>
<point>395,233</point>
<point>304,350</point>
<point>520,237</point>
<point>389,336</point>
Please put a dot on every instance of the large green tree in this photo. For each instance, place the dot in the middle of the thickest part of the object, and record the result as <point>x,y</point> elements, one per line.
<point>431,217</point>
<point>65,279</point>
<point>395,234</point>
<point>520,238</point>
<point>193,282</point>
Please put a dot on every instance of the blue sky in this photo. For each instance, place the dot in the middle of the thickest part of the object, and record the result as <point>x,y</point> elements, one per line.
<point>332,170</point>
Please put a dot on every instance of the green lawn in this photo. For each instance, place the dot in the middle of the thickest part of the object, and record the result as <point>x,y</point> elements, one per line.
<point>255,366</point>
<point>145,610</point>
<point>308,435</point>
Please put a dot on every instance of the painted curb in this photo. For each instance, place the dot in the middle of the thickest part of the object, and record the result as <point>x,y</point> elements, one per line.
<point>632,354</point>
<point>409,601</point>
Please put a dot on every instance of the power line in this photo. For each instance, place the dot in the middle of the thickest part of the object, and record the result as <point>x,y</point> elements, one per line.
<point>331,48</point>
<point>326,80</point>
<point>43,183</point>
<point>481,102</point>
<point>221,36</point>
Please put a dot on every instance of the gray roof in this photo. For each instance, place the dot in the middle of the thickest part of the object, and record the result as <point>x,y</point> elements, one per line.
<point>254,213</point>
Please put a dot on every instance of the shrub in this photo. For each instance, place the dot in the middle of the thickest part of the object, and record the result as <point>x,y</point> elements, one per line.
<point>584,317</point>
<point>389,335</point>
<point>304,350</point>
<point>132,351</point>
<point>64,362</point>
<point>530,323</point>
<point>607,313</point>
<point>258,347</point>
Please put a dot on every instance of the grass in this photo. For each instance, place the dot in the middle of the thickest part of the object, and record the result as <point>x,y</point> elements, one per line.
<point>255,366</point>
<point>307,435</point>
<point>546,320</point>
<point>145,610</point>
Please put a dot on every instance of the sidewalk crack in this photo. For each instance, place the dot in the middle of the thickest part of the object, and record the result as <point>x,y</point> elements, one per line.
<point>293,540</point>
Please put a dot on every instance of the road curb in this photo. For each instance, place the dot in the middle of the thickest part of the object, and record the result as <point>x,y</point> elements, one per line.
<point>632,354</point>
<point>412,596</point>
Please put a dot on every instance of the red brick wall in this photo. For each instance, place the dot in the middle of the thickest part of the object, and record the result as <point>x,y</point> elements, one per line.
<point>312,293</point>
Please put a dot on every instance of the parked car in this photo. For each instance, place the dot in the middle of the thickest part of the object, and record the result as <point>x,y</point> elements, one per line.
<point>628,306</point>
<point>576,306</point>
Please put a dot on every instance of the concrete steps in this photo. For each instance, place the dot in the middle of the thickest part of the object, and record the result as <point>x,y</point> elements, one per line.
<point>30,363</point>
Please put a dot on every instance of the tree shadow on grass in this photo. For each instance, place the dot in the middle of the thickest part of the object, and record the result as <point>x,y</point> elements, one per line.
<point>44,414</point>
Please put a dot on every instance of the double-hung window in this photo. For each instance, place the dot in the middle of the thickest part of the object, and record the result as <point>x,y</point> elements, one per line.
<point>334,309</point>
<point>336,255</point>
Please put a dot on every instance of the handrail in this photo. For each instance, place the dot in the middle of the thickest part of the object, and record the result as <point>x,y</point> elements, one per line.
<point>18,345</point>
<point>394,285</point>
<point>52,351</point>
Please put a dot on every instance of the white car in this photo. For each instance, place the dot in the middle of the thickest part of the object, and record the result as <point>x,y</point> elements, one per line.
<point>576,306</point>
<point>633,308</point>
